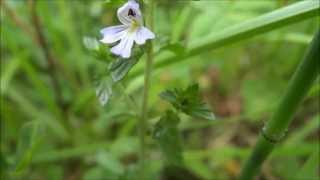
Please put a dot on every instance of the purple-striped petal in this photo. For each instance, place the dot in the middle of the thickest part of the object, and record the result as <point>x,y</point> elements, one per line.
<point>123,49</point>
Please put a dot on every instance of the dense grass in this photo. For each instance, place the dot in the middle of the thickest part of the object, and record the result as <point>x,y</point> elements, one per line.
<point>242,54</point>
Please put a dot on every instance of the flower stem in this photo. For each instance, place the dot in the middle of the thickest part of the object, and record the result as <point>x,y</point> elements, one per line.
<point>147,76</point>
<point>276,128</point>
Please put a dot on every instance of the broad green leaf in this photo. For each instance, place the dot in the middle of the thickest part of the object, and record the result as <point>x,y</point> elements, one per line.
<point>188,101</point>
<point>276,19</point>
<point>167,135</point>
<point>30,136</point>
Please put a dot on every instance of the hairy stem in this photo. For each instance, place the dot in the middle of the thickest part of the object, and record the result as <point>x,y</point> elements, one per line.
<point>147,76</point>
<point>276,128</point>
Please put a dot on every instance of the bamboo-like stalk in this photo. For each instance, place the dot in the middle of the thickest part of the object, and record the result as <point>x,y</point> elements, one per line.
<point>147,76</point>
<point>276,128</point>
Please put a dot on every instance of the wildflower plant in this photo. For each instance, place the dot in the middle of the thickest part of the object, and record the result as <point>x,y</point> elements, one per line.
<point>67,113</point>
<point>127,41</point>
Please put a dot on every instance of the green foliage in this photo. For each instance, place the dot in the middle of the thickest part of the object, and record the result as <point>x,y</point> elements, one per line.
<point>120,67</point>
<point>237,51</point>
<point>30,136</point>
<point>113,69</point>
<point>168,137</point>
<point>104,90</point>
<point>188,101</point>
<point>308,170</point>
<point>98,50</point>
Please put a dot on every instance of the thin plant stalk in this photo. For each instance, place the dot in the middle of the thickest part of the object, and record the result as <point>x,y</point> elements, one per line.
<point>147,76</point>
<point>276,128</point>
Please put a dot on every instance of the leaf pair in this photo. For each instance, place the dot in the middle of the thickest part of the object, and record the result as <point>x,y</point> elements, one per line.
<point>188,101</point>
<point>117,68</point>
<point>166,130</point>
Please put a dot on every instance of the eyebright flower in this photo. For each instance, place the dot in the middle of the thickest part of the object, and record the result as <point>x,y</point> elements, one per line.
<point>131,30</point>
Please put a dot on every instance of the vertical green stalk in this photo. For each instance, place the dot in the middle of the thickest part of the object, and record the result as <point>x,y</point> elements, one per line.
<point>147,76</point>
<point>276,128</point>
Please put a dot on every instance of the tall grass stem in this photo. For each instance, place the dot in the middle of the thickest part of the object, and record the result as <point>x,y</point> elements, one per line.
<point>276,128</point>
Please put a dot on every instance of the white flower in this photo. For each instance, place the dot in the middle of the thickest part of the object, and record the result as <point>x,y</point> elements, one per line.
<point>131,30</point>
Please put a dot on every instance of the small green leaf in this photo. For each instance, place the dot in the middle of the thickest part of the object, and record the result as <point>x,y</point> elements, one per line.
<point>120,68</point>
<point>91,43</point>
<point>188,101</point>
<point>167,135</point>
<point>30,136</point>
<point>104,90</point>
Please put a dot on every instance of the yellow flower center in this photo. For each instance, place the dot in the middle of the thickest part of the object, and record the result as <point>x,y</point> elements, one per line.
<point>134,25</point>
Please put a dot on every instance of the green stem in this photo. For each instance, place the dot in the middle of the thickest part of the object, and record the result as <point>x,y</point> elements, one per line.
<point>276,128</point>
<point>144,113</point>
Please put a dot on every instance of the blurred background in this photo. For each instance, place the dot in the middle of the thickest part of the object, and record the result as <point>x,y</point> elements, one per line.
<point>53,127</point>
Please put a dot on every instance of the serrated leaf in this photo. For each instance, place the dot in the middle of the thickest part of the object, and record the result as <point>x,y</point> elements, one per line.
<point>169,96</point>
<point>188,101</point>
<point>104,90</point>
<point>120,68</point>
<point>202,112</point>
<point>167,135</point>
<point>30,136</point>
